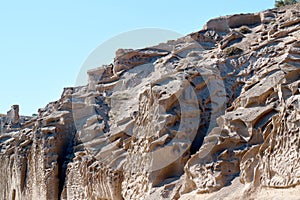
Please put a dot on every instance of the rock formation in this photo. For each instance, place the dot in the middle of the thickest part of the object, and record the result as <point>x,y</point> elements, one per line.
<point>212,115</point>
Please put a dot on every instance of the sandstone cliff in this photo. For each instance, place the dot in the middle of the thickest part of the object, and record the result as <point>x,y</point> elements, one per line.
<point>212,115</point>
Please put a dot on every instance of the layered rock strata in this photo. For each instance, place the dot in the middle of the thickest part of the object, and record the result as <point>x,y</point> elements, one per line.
<point>193,115</point>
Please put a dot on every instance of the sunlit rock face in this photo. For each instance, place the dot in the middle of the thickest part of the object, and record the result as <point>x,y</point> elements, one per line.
<point>213,114</point>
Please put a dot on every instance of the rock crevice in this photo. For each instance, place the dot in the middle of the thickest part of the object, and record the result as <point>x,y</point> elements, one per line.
<point>210,112</point>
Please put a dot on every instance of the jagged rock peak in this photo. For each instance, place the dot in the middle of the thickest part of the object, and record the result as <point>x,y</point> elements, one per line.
<point>212,115</point>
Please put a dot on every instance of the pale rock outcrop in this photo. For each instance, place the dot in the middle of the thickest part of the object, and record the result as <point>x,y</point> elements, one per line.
<point>224,24</point>
<point>213,114</point>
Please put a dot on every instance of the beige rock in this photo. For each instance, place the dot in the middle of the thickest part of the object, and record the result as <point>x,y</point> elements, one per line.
<point>180,120</point>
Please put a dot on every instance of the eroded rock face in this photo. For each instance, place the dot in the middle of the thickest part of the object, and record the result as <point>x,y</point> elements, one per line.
<point>190,115</point>
<point>256,138</point>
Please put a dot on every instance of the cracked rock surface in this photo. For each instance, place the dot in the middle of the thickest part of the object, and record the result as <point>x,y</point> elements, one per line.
<point>212,115</point>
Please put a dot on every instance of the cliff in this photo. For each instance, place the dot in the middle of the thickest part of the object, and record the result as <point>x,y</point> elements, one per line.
<point>212,115</point>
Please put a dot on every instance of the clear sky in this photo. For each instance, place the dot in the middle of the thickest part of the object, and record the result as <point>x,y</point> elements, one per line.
<point>43,44</point>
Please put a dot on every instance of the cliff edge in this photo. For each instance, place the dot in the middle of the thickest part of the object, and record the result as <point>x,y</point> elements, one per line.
<point>212,115</point>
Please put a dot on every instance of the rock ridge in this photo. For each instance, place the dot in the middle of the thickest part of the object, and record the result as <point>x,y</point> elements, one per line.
<point>212,115</point>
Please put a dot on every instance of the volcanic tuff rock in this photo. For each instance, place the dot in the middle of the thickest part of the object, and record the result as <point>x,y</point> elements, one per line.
<point>212,115</point>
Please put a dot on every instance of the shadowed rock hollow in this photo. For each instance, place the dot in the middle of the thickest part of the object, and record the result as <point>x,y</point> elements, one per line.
<point>212,115</point>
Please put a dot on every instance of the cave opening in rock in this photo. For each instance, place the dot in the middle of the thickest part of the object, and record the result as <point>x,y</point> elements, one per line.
<point>13,195</point>
<point>204,103</point>
<point>198,140</point>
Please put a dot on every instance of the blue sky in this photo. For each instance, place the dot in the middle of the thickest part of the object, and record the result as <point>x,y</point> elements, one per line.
<point>43,44</point>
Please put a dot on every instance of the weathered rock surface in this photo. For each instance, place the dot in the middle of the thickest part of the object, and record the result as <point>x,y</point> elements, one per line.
<point>213,113</point>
